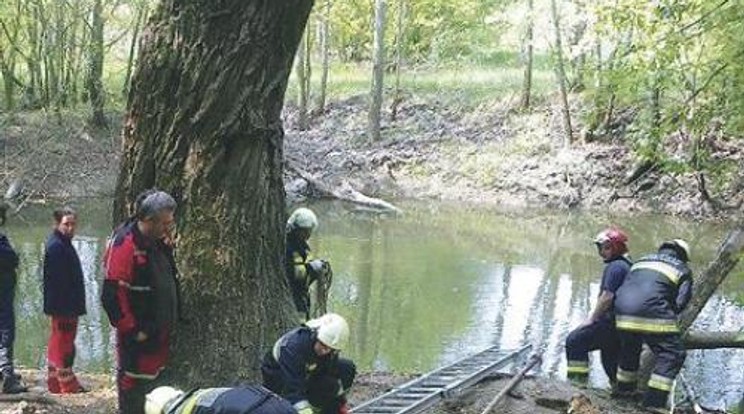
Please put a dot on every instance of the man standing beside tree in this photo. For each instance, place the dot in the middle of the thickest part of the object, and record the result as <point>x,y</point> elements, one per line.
<point>64,301</point>
<point>140,296</point>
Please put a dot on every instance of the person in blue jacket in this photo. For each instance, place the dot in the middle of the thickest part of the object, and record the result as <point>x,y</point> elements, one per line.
<point>64,301</point>
<point>304,366</point>
<point>8,264</point>
<point>598,331</point>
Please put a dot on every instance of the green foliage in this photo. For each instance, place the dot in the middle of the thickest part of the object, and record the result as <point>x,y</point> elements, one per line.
<point>435,30</point>
<point>681,63</point>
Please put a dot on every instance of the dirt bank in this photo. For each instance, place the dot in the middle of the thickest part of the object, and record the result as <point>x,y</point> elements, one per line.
<point>495,156</point>
<point>485,155</point>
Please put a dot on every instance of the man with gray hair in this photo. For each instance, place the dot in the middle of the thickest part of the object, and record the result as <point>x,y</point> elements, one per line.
<point>140,296</point>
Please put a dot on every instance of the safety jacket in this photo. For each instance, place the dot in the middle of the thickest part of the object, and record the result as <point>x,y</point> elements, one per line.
<point>134,300</point>
<point>298,271</point>
<point>656,290</point>
<point>240,400</point>
<point>293,361</point>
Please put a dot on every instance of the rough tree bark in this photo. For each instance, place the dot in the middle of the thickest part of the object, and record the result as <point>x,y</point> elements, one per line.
<point>203,123</point>
<point>378,71</point>
<point>94,83</point>
<point>524,102</point>
<point>560,70</point>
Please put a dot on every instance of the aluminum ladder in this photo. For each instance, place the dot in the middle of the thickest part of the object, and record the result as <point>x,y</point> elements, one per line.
<point>429,389</point>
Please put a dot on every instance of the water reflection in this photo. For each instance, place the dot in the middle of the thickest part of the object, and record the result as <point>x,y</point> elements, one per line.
<point>432,286</point>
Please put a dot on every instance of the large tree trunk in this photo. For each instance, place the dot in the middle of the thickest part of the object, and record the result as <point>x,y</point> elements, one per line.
<point>378,71</point>
<point>94,81</point>
<point>203,123</point>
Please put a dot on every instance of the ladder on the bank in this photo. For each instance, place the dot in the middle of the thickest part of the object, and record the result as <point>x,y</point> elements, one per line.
<point>423,392</point>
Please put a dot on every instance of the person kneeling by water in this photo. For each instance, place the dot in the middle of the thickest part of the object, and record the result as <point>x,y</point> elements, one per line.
<point>304,366</point>
<point>238,400</point>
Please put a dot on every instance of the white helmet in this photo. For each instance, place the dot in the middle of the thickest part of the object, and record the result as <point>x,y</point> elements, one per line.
<point>332,329</point>
<point>679,245</point>
<point>302,218</point>
<point>158,399</point>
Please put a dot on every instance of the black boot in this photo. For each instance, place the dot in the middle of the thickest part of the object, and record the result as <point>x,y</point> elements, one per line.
<point>12,384</point>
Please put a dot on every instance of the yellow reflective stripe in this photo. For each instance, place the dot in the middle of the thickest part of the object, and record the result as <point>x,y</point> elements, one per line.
<point>578,367</point>
<point>627,376</point>
<point>188,408</point>
<point>650,325</point>
<point>660,382</point>
<point>669,271</point>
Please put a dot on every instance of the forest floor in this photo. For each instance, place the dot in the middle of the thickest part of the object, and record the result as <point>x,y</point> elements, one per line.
<point>435,150</point>
<point>532,396</point>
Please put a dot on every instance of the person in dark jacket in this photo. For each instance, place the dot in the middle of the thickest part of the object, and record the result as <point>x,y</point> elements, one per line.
<point>8,264</point>
<point>598,330</point>
<point>233,400</point>
<point>301,269</point>
<point>64,302</point>
<point>304,366</point>
<point>140,296</point>
<point>647,305</point>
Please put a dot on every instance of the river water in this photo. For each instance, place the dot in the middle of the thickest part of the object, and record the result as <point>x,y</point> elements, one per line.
<point>429,287</point>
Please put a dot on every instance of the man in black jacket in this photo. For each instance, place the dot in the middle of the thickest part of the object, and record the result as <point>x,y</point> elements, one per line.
<point>647,305</point>
<point>304,366</point>
<point>233,400</point>
<point>8,265</point>
<point>64,301</point>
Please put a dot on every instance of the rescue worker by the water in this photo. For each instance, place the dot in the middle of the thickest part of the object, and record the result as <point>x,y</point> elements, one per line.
<point>140,296</point>
<point>234,400</point>
<point>304,366</point>
<point>301,269</point>
<point>64,302</point>
<point>598,332</point>
<point>8,264</point>
<point>647,305</point>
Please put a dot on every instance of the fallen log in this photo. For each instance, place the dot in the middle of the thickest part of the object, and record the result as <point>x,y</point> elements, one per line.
<point>344,192</point>
<point>713,340</point>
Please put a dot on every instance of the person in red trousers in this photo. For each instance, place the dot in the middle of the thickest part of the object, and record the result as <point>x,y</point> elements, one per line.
<point>64,301</point>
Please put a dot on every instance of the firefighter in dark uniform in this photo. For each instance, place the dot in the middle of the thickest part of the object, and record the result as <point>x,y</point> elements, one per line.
<point>647,306</point>
<point>598,332</point>
<point>8,278</point>
<point>234,400</point>
<point>301,269</point>
<point>304,366</point>
<point>140,296</point>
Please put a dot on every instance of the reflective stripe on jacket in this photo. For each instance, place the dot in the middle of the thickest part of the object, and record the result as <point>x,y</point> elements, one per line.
<point>655,291</point>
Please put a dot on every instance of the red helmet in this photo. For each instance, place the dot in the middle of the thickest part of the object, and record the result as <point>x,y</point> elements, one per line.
<point>614,237</point>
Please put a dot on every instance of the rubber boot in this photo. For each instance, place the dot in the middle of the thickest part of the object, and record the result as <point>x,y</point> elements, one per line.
<point>12,385</point>
<point>654,401</point>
